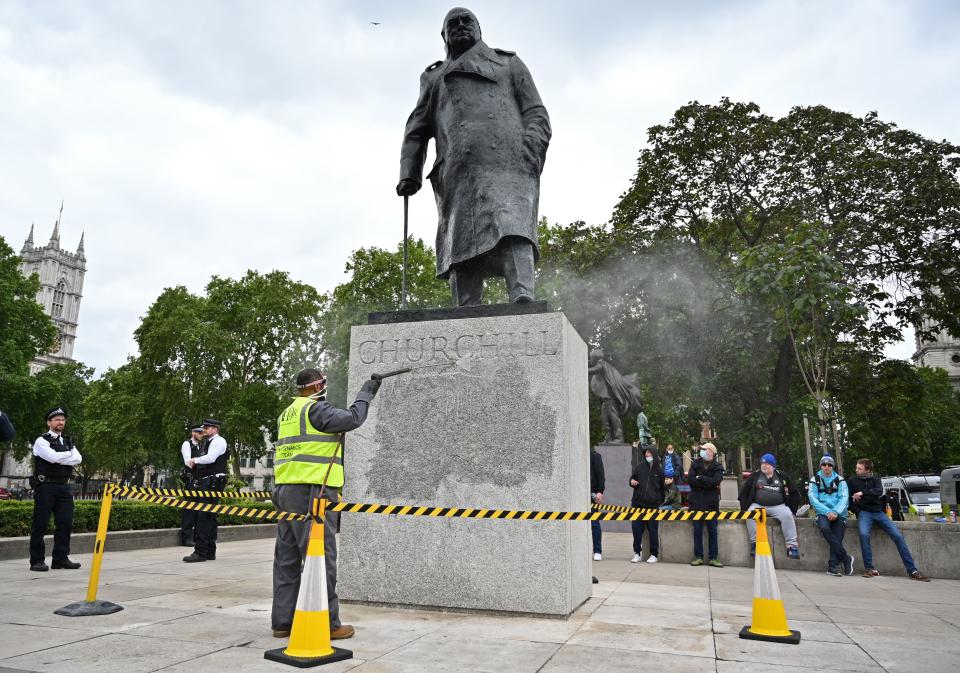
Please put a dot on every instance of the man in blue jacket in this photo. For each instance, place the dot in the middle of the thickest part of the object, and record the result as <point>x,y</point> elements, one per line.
<point>828,495</point>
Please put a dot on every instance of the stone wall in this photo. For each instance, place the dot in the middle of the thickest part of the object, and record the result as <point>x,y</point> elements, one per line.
<point>935,547</point>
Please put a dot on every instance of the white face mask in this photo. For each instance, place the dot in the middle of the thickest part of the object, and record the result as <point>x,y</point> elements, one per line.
<point>649,459</point>
<point>704,454</point>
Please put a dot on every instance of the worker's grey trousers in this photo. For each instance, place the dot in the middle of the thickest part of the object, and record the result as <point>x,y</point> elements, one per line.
<point>291,549</point>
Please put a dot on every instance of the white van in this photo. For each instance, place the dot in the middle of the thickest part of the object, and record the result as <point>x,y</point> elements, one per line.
<point>916,492</point>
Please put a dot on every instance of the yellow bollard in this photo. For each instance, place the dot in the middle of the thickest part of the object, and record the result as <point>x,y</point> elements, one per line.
<point>769,621</point>
<point>310,634</point>
<point>91,606</point>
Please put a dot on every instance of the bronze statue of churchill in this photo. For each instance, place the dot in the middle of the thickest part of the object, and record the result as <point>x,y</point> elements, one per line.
<point>491,132</point>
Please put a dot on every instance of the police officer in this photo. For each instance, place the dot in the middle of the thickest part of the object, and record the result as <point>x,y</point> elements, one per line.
<point>211,467</point>
<point>308,462</point>
<point>188,517</point>
<point>54,456</point>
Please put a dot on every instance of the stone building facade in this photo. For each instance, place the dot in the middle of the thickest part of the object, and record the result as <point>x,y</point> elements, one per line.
<point>61,275</point>
<point>943,352</point>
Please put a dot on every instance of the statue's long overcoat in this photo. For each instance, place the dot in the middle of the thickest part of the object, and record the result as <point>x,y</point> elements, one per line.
<point>491,132</point>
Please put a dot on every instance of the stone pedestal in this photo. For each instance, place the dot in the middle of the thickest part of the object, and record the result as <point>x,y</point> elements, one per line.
<point>495,416</point>
<point>618,463</point>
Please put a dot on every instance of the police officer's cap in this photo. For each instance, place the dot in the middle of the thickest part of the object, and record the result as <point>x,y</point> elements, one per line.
<point>307,377</point>
<point>56,411</point>
<point>196,428</point>
<point>211,422</point>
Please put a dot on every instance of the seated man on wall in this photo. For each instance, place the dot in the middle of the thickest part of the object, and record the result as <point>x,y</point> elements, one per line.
<point>866,501</point>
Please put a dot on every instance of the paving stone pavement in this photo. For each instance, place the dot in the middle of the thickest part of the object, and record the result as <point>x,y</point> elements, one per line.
<point>213,617</point>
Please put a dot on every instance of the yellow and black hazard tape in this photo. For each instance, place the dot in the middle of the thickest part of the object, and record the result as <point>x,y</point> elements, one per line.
<point>444,512</point>
<point>232,510</point>
<point>535,515</point>
<point>185,493</point>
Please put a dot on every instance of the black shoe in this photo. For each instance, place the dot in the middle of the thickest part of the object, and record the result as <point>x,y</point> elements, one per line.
<point>64,564</point>
<point>39,567</point>
<point>194,558</point>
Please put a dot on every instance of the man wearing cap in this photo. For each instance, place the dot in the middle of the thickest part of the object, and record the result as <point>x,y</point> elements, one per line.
<point>704,477</point>
<point>54,457</point>
<point>188,517</point>
<point>211,467</point>
<point>308,464</point>
<point>828,495</point>
<point>774,491</point>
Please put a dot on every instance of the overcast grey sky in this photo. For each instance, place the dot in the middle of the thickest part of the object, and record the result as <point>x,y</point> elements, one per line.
<point>198,138</point>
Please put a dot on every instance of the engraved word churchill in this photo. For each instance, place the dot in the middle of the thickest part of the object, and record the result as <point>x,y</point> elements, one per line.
<point>491,132</point>
<point>449,349</point>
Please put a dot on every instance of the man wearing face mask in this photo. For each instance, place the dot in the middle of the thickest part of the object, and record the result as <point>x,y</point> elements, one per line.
<point>309,464</point>
<point>647,483</point>
<point>704,478</point>
<point>491,132</point>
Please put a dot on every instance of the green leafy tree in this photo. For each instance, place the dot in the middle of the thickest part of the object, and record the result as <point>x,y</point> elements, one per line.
<point>118,438</point>
<point>25,332</point>
<point>726,178</point>
<point>803,285</point>
<point>375,285</point>
<point>227,354</point>
<point>905,418</point>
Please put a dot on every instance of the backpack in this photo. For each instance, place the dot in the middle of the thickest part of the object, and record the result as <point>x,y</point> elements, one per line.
<point>827,489</point>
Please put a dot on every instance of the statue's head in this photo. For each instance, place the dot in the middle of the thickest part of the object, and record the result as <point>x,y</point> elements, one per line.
<point>461,30</point>
<point>596,355</point>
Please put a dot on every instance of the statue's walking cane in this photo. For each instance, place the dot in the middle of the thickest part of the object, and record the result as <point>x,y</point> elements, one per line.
<point>406,220</point>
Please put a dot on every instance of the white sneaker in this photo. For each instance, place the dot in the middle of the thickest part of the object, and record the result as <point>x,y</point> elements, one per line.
<point>651,559</point>
<point>597,557</point>
<point>635,559</point>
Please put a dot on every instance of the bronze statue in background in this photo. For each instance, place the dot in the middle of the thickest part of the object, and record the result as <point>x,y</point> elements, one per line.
<point>619,395</point>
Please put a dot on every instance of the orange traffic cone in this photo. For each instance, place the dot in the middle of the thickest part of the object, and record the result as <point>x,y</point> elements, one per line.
<point>310,634</point>
<point>769,620</point>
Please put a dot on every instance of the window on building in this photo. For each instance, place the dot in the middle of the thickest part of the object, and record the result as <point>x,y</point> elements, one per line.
<point>58,296</point>
<point>270,460</point>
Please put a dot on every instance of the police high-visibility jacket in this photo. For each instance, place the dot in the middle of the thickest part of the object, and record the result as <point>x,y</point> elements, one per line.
<point>303,453</point>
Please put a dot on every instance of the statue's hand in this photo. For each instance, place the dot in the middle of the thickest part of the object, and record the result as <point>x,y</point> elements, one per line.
<point>407,187</point>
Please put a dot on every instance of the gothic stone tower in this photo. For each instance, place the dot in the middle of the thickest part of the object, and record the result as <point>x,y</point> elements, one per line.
<point>61,287</point>
<point>943,352</point>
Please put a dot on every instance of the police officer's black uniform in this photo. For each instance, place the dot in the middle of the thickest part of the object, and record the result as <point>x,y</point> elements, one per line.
<point>188,517</point>
<point>210,477</point>
<point>51,495</point>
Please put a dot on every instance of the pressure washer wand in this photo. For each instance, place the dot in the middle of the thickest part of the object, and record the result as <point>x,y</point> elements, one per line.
<point>386,375</point>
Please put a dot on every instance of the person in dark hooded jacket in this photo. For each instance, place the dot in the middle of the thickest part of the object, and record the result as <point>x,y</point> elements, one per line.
<point>648,491</point>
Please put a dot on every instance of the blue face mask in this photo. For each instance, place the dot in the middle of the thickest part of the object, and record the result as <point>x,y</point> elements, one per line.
<point>704,453</point>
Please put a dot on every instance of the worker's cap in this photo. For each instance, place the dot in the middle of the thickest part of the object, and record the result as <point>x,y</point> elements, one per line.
<point>56,411</point>
<point>310,376</point>
<point>211,423</point>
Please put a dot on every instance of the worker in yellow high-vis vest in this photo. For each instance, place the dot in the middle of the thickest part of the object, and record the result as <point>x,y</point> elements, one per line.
<point>309,453</point>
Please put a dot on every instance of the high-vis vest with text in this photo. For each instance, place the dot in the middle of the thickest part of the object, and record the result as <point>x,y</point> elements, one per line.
<point>303,453</point>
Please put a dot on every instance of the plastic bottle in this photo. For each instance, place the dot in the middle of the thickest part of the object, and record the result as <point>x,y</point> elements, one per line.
<point>923,514</point>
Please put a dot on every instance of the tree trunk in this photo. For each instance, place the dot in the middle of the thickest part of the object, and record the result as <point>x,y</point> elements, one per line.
<point>782,377</point>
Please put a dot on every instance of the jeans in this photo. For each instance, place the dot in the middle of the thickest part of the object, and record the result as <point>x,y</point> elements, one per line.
<point>865,521</point>
<point>711,535</point>
<point>652,527</point>
<point>50,499</point>
<point>596,532</point>
<point>832,532</point>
